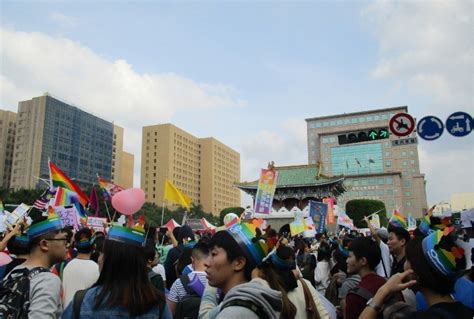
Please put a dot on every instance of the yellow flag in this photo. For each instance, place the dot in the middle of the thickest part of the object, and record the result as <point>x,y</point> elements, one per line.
<point>173,195</point>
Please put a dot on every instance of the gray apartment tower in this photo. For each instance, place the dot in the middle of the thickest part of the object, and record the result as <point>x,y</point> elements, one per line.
<point>78,142</point>
<point>375,163</point>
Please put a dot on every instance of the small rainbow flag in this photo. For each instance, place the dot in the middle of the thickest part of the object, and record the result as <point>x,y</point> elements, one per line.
<point>2,208</point>
<point>60,179</point>
<point>64,197</point>
<point>398,220</point>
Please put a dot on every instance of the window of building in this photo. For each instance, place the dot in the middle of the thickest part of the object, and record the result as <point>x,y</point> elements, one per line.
<point>407,183</point>
<point>325,123</point>
<point>354,120</point>
<point>380,181</point>
<point>408,194</point>
<point>347,121</point>
<point>405,163</point>
<point>408,204</point>
<point>355,182</point>
<point>361,119</point>
<point>363,182</point>
<point>404,154</point>
<point>380,192</point>
<point>389,180</point>
<point>372,181</point>
<point>388,164</point>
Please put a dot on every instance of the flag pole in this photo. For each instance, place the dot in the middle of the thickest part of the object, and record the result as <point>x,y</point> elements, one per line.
<point>162,213</point>
<point>107,209</point>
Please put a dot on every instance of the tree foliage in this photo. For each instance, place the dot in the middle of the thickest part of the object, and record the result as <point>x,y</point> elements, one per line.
<point>357,209</point>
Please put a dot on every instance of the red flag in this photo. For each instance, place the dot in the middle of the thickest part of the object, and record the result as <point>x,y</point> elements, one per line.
<point>94,202</point>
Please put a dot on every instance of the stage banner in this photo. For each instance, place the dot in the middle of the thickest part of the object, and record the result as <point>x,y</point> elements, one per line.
<point>265,191</point>
<point>330,212</point>
<point>318,211</point>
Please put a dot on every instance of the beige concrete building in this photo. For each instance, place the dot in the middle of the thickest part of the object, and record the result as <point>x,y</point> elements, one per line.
<point>380,166</point>
<point>202,168</point>
<point>126,174</point>
<point>122,162</point>
<point>7,139</point>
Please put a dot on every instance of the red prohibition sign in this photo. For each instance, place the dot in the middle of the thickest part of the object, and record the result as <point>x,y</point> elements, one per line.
<point>402,124</point>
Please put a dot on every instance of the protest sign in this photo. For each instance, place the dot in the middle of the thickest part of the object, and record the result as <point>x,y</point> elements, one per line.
<point>97,223</point>
<point>317,211</point>
<point>265,191</point>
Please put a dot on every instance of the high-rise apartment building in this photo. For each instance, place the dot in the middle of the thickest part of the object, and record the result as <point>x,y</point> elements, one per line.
<point>78,142</point>
<point>376,164</point>
<point>122,162</point>
<point>7,139</point>
<point>203,168</point>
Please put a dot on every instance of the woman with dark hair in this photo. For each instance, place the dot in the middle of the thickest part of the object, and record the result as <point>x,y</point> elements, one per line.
<point>123,288</point>
<point>299,298</point>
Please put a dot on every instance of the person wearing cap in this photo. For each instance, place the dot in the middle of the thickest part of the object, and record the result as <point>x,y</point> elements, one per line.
<point>81,272</point>
<point>47,246</point>
<point>233,256</point>
<point>433,265</point>
<point>123,288</point>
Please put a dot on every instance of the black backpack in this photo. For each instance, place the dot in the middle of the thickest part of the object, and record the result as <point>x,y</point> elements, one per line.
<point>15,293</point>
<point>188,306</point>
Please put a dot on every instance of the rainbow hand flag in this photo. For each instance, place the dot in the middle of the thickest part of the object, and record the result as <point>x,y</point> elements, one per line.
<point>64,197</point>
<point>398,220</point>
<point>108,188</point>
<point>2,208</point>
<point>60,179</point>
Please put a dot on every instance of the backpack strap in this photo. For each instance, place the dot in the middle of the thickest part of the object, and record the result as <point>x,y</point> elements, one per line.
<point>311,309</point>
<point>185,282</point>
<point>35,271</point>
<point>152,274</point>
<point>77,302</point>
<point>361,292</point>
<point>246,304</point>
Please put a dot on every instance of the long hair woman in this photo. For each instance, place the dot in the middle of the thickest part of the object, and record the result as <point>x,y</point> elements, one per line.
<point>123,287</point>
<point>300,299</point>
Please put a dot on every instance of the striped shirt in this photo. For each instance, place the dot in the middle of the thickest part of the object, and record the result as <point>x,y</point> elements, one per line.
<point>177,291</point>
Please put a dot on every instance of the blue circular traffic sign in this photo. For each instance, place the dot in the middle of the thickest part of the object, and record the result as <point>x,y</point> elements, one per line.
<point>430,128</point>
<point>459,124</point>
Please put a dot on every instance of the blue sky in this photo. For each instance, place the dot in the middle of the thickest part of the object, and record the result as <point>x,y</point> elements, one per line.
<point>248,73</point>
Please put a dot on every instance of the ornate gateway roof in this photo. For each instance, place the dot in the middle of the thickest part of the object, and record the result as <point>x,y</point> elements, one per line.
<point>299,182</point>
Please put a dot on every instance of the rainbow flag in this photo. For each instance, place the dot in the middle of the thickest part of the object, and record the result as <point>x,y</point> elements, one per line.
<point>398,220</point>
<point>60,179</point>
<point>2,208</point>
<point>108,188</point>
<point>64,197</point>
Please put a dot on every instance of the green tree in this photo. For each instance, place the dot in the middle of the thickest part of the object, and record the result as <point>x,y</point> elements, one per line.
<point>357,209</point>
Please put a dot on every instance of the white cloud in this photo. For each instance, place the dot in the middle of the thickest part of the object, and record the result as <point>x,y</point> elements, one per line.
<point>63,20</point>
<point>427,47</point>
<point>33,63</point>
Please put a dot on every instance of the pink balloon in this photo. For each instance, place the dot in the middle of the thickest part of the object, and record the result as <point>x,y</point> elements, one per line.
<point>128,201</point>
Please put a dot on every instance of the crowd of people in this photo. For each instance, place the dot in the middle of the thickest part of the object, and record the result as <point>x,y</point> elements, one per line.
<point>241,271</point>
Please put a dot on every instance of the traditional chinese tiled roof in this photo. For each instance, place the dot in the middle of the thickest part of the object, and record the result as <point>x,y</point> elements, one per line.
<point>296,176</point>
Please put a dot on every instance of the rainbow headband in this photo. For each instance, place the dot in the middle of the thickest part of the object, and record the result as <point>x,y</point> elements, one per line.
<point>51,224</point>
<point>127,235</point>
<point>398,220</point>
<point>442,260</point>
<point>243,234</point>
<point>85,242</point>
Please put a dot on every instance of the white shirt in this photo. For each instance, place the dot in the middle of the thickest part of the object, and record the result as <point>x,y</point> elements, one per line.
<point>160,270</point>
<point>77,275</point>
<point>386,261</point>
<point>321,275</point>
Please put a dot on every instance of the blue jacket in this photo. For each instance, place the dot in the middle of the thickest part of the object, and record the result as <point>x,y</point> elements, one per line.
<point>87,311</point>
